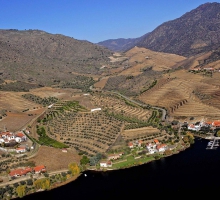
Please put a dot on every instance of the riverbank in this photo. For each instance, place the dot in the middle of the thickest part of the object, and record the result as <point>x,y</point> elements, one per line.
<point>181,175</point>
<point>66,182</point>
<point>74,178</point>
<point>125,164</point>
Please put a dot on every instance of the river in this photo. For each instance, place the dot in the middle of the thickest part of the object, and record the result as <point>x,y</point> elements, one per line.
<point>193,171</point>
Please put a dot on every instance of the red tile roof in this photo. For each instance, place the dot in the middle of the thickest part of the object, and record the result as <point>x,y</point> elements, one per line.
<point>156,141</point>
<point>40,168</point>
<point>20,134</point>
<point>20,172</point>
<point>130,144</point>
<point>161,146</point>
<point>216,123</point>
<point>20,148</point>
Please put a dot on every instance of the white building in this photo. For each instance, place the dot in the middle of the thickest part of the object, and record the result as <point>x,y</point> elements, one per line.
<point>21,150</point>
<point>22,136</point>
<point>106,163</point>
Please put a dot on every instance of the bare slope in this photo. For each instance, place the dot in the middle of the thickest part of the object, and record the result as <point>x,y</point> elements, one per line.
<point>38,57</point>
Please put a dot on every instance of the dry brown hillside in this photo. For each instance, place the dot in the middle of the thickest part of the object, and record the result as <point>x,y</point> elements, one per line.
<point>186,94</point>
<point>141,59</point>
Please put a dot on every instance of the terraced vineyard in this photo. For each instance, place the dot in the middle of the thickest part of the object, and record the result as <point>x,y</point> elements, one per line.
<point>144,134</point>
<point>169,94</point>
<point>185,95</point>
<point>114,104</point>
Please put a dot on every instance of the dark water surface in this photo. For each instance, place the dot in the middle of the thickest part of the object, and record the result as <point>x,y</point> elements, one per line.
<point>195,171</point>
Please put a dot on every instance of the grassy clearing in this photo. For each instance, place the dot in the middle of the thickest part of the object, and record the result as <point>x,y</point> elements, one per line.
<point>131,161</point>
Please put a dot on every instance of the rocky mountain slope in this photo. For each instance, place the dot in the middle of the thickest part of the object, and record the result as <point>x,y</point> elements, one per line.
<point>39,57</point>
<point>195,32</point>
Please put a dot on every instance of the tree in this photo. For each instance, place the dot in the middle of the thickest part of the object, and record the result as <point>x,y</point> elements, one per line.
<point>29,182</point>
<point>84,160</point>
<point>21,190</point>
<point>43,183</point>
<point>74,168</point>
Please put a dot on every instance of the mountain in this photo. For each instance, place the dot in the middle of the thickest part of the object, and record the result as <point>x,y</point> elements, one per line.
<point>36,56</point>
<point>195,32</point>
<point>121,44</point>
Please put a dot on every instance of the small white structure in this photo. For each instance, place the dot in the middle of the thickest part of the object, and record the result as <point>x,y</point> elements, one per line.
<point>151,147</point>
<point>50,106</point>
<point>64,150</point>
<point>151,151</point>
<point>1,140</point>
<point>106,163</point>
<point>18,139</point>
<point>194,127</point>
<point>95,109</point>
<point>86,94</point>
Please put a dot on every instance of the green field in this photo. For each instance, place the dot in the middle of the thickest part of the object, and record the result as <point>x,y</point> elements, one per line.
<point>131,161</point>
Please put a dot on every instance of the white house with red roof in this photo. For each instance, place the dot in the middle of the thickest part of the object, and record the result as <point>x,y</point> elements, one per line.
<point>39,169</point>
<point>20,150</point>
<point>156,141</point>
<point>140,142</point>
<point>161,147</point>
<point>216,123</point>
<point>9,137</point>
<point>20,172</point>
<point>106,163</point>
<point>130,144</point>
<point>151,147</point>
<point>115,156</point>
<point>22,136</point>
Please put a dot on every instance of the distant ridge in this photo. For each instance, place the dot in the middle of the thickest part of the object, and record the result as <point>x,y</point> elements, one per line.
<point>121,44</point>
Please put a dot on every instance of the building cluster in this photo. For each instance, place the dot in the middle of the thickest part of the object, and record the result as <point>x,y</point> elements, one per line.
<point>152,147</point>
<point>28,170</point>
<point>136,143</point>
<point>156,146</point>
<point>108,162</point>
<point>11,139</point>
<point>8,137</point>
<point>202,125</point>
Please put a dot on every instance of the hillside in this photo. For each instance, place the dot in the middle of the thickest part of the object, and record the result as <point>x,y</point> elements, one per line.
<point>38,57</point>
<point>195,32</point>
<point>142,67</point>
<point>186,94</point>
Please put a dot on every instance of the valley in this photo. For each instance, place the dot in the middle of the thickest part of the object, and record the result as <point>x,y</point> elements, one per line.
<point>68,105</point>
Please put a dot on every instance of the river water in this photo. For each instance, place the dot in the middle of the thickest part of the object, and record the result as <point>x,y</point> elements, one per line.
<point>193,171</point>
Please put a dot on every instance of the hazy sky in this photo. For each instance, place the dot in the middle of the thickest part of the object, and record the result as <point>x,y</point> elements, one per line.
<point>93,20</point>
